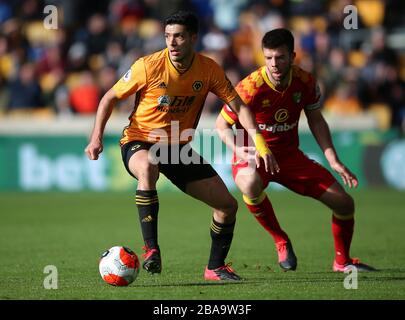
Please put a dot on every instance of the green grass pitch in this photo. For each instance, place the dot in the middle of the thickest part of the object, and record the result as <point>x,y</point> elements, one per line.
<point>71,230</point>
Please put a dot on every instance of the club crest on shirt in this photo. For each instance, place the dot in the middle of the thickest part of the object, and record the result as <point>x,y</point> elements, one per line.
<point>197,85</point>
<point>164,100</point>
<point>296,97</point>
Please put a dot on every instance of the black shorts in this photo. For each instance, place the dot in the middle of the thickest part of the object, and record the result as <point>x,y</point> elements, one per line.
<point>179,163</point>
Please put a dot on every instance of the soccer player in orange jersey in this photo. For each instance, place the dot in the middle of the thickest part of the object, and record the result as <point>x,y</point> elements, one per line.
<point>277,93</point>
<point>171,87</point>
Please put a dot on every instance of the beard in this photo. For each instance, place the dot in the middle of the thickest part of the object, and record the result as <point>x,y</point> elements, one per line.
<point>279,78</point>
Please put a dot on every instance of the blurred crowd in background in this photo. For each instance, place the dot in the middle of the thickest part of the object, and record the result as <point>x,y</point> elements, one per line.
<point>65,71</point>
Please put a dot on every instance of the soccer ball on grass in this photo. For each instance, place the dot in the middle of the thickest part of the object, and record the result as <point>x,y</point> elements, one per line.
<point>119,266</point>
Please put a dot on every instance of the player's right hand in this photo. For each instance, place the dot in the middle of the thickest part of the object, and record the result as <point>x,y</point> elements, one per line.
<point>348,177</point>
<point>263,152</point>
<point>93,149</point>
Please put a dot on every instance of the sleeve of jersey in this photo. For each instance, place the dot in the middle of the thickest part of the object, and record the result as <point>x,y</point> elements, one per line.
<point>314,96</point>
<point>220,85</point>
<point>228,115</point>
<point>132,81</point>
<point>245,93</point>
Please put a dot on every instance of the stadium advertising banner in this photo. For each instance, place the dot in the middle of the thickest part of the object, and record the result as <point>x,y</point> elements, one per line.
<point>44,163</point>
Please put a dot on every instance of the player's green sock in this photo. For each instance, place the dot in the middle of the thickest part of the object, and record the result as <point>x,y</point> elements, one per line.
<point>148,207</point>
<point>221,235</point>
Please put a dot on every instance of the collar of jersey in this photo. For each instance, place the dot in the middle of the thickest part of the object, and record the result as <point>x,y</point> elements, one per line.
<point>174,68</point>
<point>271,85</point>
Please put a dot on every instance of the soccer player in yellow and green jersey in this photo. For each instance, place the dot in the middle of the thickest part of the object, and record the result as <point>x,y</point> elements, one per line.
<point>171,87</point>
<point>277,94</point>
<point>166,94</point>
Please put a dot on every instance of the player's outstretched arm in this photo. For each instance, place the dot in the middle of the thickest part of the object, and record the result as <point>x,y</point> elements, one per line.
<point>104,110</point>
<point>248,121</point>
<point>321,132</point>
<point>225,132</point>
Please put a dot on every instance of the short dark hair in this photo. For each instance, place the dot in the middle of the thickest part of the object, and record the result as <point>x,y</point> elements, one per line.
<point>278,37</point>
<point>184,18</point>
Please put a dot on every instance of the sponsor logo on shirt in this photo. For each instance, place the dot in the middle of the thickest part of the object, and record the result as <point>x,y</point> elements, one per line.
<point>175,104</point>
<point>164,101</point>
<point>281,115</point>
<point>277,127</point>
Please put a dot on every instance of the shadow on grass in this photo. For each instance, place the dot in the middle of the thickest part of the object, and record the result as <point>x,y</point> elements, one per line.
<point>307,277</point>
<point>194,284</point>
<point>378,271</point>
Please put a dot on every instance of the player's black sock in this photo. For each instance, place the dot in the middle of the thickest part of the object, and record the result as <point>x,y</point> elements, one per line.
<point>221,235</point>
<point>148,207</point>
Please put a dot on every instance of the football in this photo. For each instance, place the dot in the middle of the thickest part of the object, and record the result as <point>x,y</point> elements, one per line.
<point>119,266</point>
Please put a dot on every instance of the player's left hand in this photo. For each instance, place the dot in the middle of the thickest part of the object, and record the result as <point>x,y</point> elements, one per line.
<point>348,177</point>
<point>270,162</point>
<point>93,149</point>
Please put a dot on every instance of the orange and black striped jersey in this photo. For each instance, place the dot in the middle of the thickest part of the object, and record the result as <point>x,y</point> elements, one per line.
<point>166,98</point>
<point>277,113</point>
